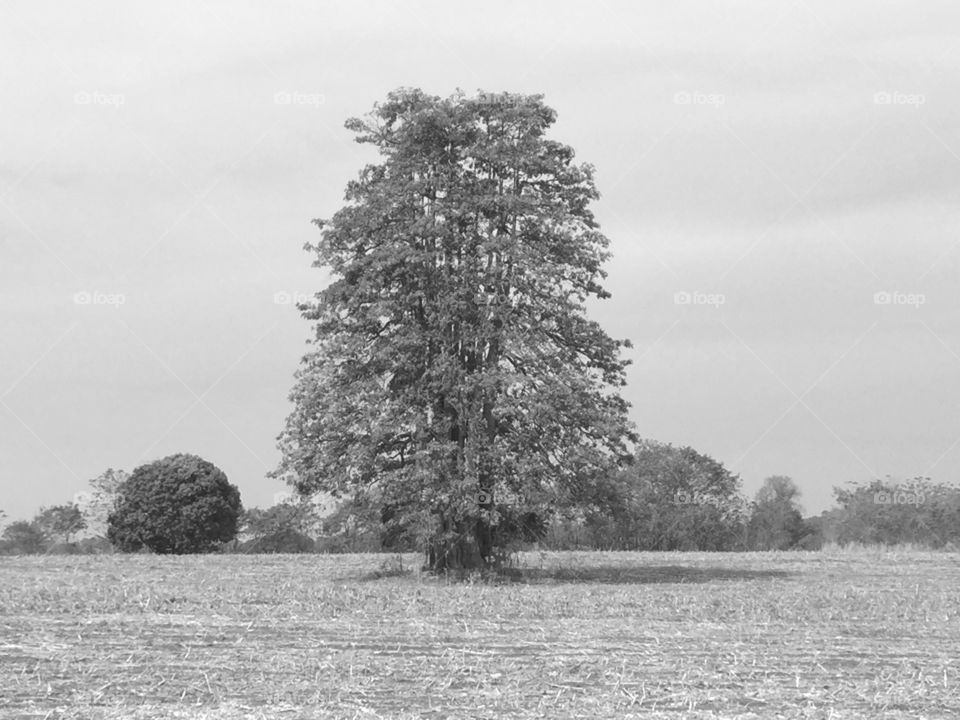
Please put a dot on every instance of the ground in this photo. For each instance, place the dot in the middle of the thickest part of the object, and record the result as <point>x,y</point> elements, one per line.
<point>864,634</point>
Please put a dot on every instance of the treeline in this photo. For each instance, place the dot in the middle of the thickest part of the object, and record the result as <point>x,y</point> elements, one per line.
<point>678,499</point>
<point>675,498</point>
<point>669,498</point>
<point>883,512</point>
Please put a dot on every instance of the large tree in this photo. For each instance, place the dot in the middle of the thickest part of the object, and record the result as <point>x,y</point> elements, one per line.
<point>455,376</point>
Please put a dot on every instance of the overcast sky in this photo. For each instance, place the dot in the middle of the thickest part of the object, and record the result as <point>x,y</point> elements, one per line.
<point>779,184</point>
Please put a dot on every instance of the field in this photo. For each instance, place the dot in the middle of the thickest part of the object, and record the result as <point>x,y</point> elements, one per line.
<point>864,634</point>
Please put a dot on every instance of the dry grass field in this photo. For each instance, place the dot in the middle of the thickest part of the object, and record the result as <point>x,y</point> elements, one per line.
<point>864,634</point>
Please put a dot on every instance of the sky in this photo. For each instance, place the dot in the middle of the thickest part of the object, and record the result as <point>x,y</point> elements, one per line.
<point>778,184</point>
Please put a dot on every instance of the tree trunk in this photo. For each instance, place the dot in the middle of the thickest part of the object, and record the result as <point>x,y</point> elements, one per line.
<point>468,550</point>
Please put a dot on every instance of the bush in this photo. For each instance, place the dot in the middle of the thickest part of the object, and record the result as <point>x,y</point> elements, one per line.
<point>180,504</point>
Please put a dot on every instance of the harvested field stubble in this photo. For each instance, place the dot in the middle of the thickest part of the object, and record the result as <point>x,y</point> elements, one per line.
<point>658,635</point>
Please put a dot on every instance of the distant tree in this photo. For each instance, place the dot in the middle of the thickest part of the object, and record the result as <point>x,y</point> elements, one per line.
<point>99,502</point>
<point>776,522</point>
<point>180,504</point>
<point>301,517</point>
<point>24,538</point>
<point>941,513</point>
<point>670,498</point>
<point>888,512</point>
<point>455,376</point>
<point>60,522</point>
<point>283,528</point>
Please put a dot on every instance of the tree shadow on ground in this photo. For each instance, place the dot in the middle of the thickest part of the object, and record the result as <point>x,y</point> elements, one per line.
<point>602,574</point>
<point>652,575</point>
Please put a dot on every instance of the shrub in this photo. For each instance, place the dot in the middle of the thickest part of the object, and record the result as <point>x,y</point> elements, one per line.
<point>180,504</point>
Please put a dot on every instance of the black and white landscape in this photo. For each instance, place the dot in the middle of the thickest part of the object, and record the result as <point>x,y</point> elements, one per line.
<point>511,360</point>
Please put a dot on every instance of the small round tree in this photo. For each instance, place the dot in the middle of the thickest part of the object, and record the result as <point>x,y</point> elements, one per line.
<point>180,504</point>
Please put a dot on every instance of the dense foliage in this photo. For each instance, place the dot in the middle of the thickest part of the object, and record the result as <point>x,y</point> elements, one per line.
<point>886,512</point>
<point>286,527</point>
<point>669,498</point>
<point>23,538</point>
<point>180,504</point>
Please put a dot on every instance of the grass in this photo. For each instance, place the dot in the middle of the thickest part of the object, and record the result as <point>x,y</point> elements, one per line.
<point>867,634</point>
